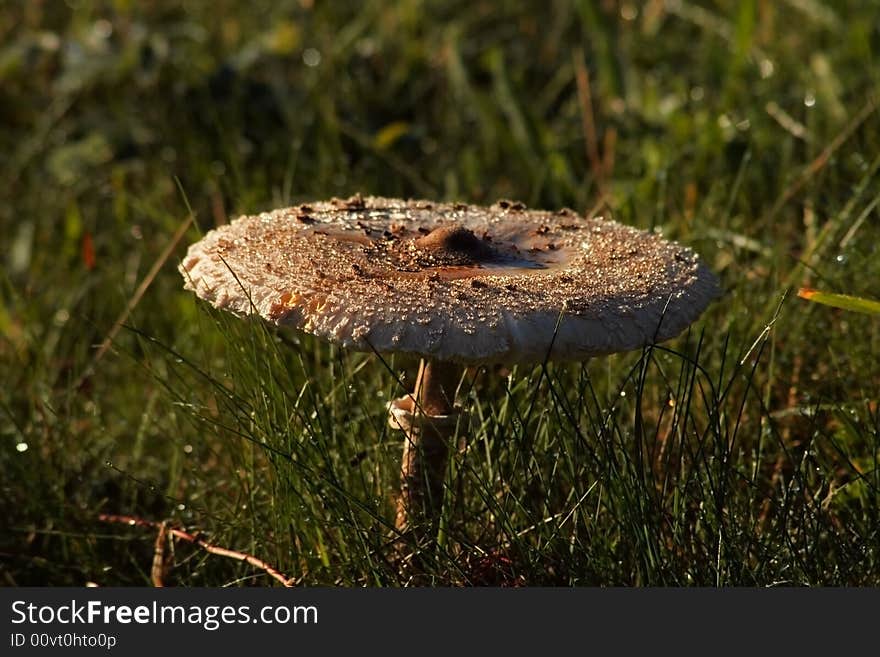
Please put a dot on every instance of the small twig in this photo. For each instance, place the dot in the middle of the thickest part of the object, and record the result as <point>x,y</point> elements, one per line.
<point>196,540</point>
<point>157,573</point>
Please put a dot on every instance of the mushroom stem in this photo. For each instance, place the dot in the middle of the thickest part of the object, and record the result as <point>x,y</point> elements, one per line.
<point>428,419</point>
<point>435,387</point>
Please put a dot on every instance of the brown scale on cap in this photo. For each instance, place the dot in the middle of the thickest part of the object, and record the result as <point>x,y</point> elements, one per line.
<point>391,275</point>
<point>445,252</point>
<point>455,242</point>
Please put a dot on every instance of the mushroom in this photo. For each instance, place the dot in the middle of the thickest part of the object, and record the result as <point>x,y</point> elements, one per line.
<point>456,285</point>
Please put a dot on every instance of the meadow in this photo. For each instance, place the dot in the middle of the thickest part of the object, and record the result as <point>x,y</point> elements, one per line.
<point>743,453</point>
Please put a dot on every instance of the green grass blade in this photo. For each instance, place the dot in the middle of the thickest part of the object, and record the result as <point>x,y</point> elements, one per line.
<point>842,301</point>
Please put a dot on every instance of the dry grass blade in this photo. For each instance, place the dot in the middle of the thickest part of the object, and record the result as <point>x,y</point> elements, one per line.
<point>822,159</point>
<point>135,299</point>
<point>585,99</point>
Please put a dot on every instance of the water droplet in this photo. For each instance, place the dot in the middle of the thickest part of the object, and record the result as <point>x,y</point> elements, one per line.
<point>809,99</point>
<point>841,259</point>
<point>181,507</point>
<point>102,29</point>
<point>21,447</point>
<point>628,11</point>
<point>187,449</point>
<point>311,57</point>
<point>623,393</point>
<point>61,317</point>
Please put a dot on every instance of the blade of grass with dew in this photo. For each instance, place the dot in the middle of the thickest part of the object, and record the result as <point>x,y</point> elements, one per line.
<point>842,301</point>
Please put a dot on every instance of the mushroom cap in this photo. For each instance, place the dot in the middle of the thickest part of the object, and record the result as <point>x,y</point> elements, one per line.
<point>453,282</point>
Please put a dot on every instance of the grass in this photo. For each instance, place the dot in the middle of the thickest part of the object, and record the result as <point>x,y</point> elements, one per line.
<point>743,453</point>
